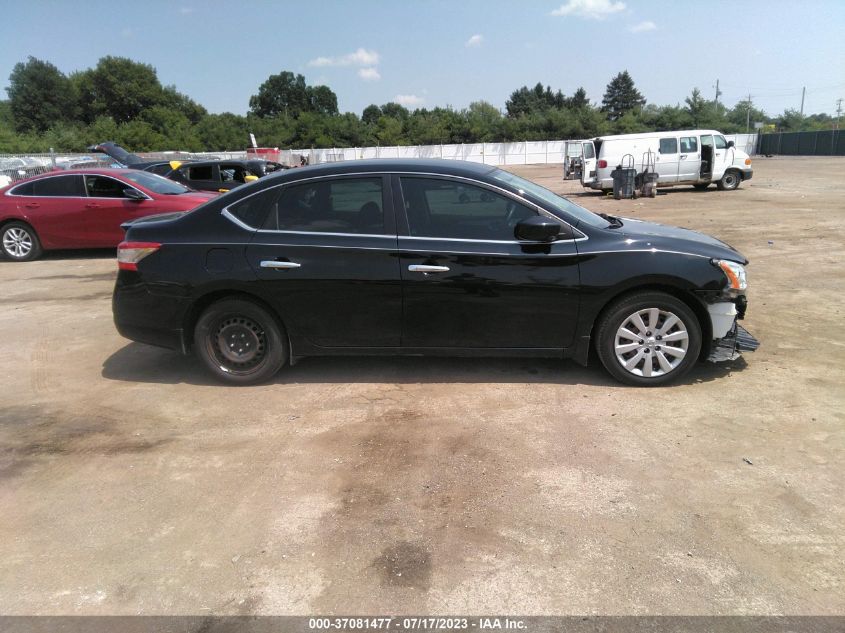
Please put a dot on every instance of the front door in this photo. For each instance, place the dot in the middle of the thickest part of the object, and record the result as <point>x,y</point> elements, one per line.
<point>468,283</point>
<point>689,160</point>
<point>327,254</point>
<point>108,207</point>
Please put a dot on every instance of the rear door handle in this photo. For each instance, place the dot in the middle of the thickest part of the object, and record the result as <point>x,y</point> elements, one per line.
<point>683,156</point>
<point>32,205</point>
<point>92,206</point>
<point>272,263</point>
<point>418,268</point>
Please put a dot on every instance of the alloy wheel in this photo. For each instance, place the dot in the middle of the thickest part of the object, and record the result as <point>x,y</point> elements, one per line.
<point>651,342</point>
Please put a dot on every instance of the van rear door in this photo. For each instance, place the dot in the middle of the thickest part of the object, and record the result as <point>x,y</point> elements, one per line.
<point>573,160</point>
<point>588,171</point>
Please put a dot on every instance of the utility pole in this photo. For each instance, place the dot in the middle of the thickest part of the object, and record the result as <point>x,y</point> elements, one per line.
<point>838,112</point>
<point>748,116</point>
<point>803,90</point>
<point>717,95</point>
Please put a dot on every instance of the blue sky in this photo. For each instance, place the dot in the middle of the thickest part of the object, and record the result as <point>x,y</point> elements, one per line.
<point>439,53</point>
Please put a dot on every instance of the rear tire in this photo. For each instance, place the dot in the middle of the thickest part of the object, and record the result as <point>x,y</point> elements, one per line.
<point>19,242</point>
<point>240,342</point>
<point>730,180</point>
<point>648,339</point>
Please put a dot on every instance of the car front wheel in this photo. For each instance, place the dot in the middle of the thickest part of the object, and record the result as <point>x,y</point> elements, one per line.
<point>19,242</point>
<point>240,342</point>
<point>730,181</point>
<point>648,339</point>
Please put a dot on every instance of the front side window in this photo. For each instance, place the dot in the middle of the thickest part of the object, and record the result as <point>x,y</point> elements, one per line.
<point>104,187</point>
<point>232,173</point>
<point>668,146</point>
<point>689,144</point>
<point>451,209</point>
<point>721,143</point>
<point>340,205</point>
<point>56,186</point>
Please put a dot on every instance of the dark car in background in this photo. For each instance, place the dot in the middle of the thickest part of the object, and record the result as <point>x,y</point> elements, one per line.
<point>83,208</point>
<point>222,175</point>
<point>425,257</point>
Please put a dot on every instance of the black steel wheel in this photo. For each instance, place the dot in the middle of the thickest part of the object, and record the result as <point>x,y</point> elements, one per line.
<point>648,339</point>
<point>240,342</point>
<point>19,242</point>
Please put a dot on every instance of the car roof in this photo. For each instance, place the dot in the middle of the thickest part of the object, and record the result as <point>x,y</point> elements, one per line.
<point>79,171</point>
<point>411,165</point>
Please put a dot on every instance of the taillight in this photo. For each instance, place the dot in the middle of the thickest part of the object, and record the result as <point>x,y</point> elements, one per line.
<point>602,164</point>
<point>130,253</point>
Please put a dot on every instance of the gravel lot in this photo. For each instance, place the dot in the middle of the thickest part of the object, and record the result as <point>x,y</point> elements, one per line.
<point>130,483</point>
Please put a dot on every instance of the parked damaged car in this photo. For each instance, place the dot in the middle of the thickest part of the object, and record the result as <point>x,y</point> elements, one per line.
<point>83,208</point>
<point>417,257</point>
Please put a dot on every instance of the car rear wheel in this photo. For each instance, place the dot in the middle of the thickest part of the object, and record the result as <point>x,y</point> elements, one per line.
<point>19,242</point>
<point>730,181</point>
<point>240,342</point>
<point>648,339</point>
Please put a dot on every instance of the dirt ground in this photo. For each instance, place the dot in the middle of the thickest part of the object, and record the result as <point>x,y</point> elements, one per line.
<point>132,484</point>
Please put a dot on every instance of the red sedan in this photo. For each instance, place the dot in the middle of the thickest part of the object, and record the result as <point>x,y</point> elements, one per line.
<point>83,208</point>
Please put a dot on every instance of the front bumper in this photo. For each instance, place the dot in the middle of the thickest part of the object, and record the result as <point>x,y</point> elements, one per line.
<point>747,174</point>
<point>730,347</point>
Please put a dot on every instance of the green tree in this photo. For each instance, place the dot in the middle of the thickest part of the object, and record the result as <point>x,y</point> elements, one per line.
<point>40,95</point>
<point>322,100</point>
<point>371,114</point>
<point>697,107</point>
<point>284,94</point>
<point>621,97</point>
<point>120,88</point>
<point>578,100</point>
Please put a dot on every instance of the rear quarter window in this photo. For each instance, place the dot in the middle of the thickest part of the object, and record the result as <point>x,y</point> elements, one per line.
<point>253,210</point>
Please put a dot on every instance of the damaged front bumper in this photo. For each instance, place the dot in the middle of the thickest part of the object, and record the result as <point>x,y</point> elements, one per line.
<point>730,347</point>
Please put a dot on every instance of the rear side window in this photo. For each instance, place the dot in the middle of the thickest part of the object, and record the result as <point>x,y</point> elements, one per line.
<point>589,152</point>
<point>56,186</point>
<point>205,172</point>
<point>668,146</point>
<point>689,144</point>
<point>342,205</point>
<point>252,211</point>
<point>450,209</point>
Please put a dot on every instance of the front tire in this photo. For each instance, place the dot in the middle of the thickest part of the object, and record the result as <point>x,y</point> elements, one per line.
<point>648,339</point>
<point>20,242</point>
<point>730,180</point>
<point>240,342</point>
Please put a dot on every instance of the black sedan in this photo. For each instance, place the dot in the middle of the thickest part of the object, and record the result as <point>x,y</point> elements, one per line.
<point>425,257</point>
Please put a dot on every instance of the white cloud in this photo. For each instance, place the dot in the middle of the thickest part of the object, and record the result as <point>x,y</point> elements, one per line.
<point>474,41</point>
<point>590,9</point>
<point>641,27</point>
<point>408,100</point>
<point>360,57</point>
<point>369,74</point>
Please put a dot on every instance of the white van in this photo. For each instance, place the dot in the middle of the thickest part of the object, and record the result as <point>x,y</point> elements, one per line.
<point>686,157</point>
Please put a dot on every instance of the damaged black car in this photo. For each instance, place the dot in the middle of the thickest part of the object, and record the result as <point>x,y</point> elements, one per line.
<point>416,257</point>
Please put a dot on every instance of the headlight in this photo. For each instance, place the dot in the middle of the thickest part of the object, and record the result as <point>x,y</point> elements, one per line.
<point>734,272</point>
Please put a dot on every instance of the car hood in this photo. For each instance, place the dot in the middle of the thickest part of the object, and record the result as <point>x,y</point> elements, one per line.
<point>639,233</point>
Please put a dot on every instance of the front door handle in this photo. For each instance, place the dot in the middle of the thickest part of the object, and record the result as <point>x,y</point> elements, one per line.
<point>272,263</point>
<point>32,205</point>
<point>92,206</point>
<point>683,156</point>
<point>418,268</point>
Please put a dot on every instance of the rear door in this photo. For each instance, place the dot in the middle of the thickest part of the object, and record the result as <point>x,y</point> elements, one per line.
<point>689,160</point>
<point>666,161</point>
<point>327,255</point>
<point>573,160</point>
<point>468,283</point>
<point>56,208</point>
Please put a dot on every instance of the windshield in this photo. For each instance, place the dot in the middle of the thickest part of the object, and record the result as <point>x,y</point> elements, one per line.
<point>155,183</point>
<point>553,202</point>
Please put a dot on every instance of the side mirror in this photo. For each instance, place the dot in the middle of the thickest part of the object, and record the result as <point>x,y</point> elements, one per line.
<point>537,229</point>
<point>134,194</point>
<point>730,143</point>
